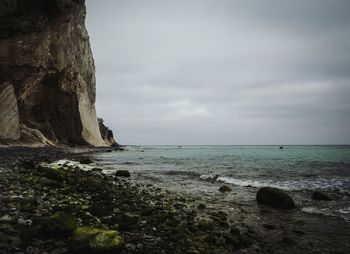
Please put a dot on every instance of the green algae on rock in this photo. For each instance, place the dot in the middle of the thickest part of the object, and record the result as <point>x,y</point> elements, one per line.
<point>96,240</point>
<point>60,224</point>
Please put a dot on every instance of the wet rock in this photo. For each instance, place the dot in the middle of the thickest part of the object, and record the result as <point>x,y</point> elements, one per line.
<point>122,173</point>
<point>86,161</point>
<point>6,218</point>
<point>24,222</point>
<point>27,164</point>
<point>319,195</point>
<point>275,198</point>
<point>288,241</point>
<point>60,224</point>
<point>269,227</point>
<point>50,183</point>
<point>205,225</point>
<point>128,221</point>
<point>201,206</point>
<point>100,210</point>
<point>52,173</point>
<point>225,188</point>
<point>96,240</point>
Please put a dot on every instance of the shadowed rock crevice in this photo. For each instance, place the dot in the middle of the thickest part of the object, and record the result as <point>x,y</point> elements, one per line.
<point>46,58</point>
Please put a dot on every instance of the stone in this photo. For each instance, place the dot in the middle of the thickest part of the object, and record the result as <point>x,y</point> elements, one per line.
<point>27,164</point>
<point>122,173</point>
<point>57,174</point>
<point>201,206</point>
<point>269,227</point>
<point>86,161</point>
<point>274,198</point>
<point>96,240</point>
<point>319,195</point>
<point>6,218</point>
<point>60,224</point>
<point>49,182</point>
<point>225,188</point>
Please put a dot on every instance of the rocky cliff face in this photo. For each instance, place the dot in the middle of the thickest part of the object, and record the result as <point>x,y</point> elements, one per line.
<point>47,74</point>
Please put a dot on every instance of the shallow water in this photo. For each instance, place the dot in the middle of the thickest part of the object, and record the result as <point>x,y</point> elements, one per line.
<point>298,169</point>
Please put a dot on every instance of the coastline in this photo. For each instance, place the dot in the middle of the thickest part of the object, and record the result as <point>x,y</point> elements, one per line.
<point>150,219</point>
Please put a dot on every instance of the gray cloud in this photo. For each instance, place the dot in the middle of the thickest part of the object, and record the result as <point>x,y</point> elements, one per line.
<point>223,72</point>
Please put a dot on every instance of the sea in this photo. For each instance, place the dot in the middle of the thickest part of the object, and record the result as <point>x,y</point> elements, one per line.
<point>297,169</point>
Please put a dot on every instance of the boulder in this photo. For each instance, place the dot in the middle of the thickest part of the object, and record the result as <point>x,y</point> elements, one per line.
<point>96,240</point>
<point>225,188</point>
<point>201,206</point>
<point>60,224</point>
<point>275,198</point>
<point>319,195</point>
<point>122,173</point>
<point>86,161</point>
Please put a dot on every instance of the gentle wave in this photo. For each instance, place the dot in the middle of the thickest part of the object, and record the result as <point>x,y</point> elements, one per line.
<point>329,212</point>
<point>295,185</point>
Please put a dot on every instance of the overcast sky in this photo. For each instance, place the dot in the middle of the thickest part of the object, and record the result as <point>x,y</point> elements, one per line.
<point>223,71</point>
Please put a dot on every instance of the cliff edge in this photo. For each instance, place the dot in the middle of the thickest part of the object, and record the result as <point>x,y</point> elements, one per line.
<point>47,75</point>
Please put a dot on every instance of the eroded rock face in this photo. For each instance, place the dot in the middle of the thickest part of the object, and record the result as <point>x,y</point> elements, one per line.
<point>46,58</point>
<point>9,118</point>
<point>106,133</point>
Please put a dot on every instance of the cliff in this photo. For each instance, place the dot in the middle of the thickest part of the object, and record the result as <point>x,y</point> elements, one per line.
<point>47,74</point>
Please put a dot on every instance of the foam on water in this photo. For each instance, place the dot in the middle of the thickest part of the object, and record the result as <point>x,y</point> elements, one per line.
<point>295,185</point>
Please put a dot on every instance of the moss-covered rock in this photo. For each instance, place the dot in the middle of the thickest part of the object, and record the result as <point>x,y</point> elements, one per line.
<point>49,182</point>
<point>96,240</point>
<point>60,224</point>
<point>54,173</point>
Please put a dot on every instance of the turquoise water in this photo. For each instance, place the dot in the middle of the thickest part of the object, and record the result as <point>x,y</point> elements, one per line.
<point>291,168</point>
<point>203,169</point>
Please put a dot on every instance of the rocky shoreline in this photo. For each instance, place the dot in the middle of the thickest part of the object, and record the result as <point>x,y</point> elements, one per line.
<point>65,209</point>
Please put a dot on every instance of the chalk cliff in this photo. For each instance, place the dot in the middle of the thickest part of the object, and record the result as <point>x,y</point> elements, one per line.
<point>47,74</point>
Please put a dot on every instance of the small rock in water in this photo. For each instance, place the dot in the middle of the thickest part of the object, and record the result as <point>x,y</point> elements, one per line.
<point>86,161</point>
<point>275,198</point>
<point>122,173</point>
<point>201,206</point>
<point>319,195</point>
<point>225,188</point>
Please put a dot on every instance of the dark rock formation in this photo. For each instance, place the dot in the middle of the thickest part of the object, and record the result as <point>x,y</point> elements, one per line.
<point>47,74</point>
<point>319,195</point>
<point>225,188</point>
<point>107,134</point>
<point>275,198</point>
<point>122,173</point>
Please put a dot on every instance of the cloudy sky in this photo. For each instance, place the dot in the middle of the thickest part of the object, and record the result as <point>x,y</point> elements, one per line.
<point>223,71</point>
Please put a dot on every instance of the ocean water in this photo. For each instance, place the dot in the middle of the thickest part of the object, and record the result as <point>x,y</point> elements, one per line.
<point>297,169</point>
